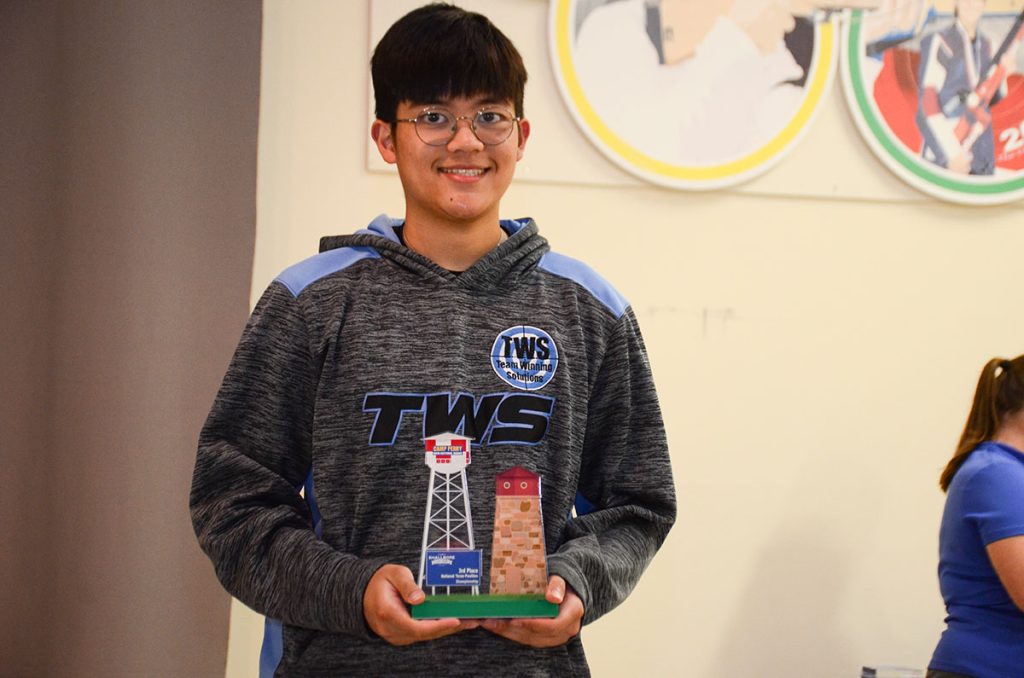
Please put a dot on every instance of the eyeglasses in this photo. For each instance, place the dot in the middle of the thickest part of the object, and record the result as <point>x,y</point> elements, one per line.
<point>438,126</point>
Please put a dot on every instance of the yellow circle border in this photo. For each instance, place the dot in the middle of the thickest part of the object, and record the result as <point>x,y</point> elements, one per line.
<point>711,176</point>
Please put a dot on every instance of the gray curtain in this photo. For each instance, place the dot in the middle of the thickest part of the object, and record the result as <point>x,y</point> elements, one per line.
<point>127,206</point>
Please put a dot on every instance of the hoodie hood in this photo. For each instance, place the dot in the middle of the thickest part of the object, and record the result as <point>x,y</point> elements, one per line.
<point>502,266</point>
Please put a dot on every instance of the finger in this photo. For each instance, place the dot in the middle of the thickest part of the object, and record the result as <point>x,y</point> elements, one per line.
<point>556,590</point>
<point>495,625</point>
<point>401,579</point>
<point>565,625</point>
<point>432,629</point>
<point>504,628</point>
<point>525,634</point>
<point>542,627</point>
<point>405,631</point>
<point>532,632</point>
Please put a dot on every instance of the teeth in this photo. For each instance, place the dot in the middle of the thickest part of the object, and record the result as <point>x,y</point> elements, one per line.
<point>464,172</point>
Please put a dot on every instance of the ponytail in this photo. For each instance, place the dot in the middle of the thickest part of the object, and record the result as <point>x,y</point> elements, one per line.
<point>1000,392</point>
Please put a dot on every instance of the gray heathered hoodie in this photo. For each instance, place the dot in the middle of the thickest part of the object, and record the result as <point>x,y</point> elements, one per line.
<point>349,360</point>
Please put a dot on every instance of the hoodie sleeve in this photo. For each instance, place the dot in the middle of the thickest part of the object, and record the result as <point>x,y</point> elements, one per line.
<point>254,454</point>
<point>625,474</point>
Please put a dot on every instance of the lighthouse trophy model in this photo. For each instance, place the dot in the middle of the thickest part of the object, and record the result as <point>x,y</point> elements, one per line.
<point>451,569</point>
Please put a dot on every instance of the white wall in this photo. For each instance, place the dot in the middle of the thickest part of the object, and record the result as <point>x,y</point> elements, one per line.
<point>815,335</point>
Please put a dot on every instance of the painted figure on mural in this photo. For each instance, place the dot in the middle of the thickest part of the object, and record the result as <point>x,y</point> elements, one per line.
<point>937,90</point>
<point>960,80</point>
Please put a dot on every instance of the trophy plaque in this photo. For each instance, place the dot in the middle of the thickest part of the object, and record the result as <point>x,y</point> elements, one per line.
<point>451,567</point>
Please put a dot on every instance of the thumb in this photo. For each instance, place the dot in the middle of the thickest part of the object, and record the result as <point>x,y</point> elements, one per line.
<point>401,579</point>
<point>556,590</point>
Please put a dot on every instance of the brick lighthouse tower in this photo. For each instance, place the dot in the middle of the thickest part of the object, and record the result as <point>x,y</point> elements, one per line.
<point>518,563</point>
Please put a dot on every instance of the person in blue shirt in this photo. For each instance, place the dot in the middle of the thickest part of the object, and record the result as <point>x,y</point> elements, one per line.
<point>981,539</point>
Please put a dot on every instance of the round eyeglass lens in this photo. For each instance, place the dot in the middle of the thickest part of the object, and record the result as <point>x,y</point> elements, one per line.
<point>436,127</point>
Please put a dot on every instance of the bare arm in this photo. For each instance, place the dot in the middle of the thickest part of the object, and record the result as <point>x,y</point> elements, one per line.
<point>1007,556</point>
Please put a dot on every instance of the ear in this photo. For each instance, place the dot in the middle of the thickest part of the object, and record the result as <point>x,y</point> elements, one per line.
<point>524,134</point>
<point>380,132</point>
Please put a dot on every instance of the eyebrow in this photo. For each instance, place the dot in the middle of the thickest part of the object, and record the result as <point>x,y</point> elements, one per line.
<point>482,101</point>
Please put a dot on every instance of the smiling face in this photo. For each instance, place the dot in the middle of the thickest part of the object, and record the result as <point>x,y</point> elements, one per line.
<point>460,182</point>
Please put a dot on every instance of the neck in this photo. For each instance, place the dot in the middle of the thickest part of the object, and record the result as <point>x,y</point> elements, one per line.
<point>454,246</point>
<point>1011,431</point>
<point>970,28</point>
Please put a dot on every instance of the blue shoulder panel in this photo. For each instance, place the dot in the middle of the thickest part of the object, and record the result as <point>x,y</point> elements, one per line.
<point>273,631</point>
<point>303,274</point>
<point>272,649</point>
<point>588,278</point>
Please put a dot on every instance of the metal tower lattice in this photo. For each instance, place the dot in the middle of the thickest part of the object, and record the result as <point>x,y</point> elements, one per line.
<point>448,520</point>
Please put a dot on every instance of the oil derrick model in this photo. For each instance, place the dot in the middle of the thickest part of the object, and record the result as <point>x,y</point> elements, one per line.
<point>518,564</point>
<point>448,521</point>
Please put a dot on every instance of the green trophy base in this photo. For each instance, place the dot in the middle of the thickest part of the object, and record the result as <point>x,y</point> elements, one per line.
<point>468,606</point>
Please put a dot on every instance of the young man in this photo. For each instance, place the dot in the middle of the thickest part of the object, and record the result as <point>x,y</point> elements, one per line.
<point>448,320</point>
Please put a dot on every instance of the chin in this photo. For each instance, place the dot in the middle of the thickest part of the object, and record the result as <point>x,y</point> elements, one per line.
<point>465,216</point>
<point>465,212</point>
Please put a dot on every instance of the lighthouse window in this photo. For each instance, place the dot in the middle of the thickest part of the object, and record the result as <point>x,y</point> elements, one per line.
<point>522,485</point>
<point>507,484</point>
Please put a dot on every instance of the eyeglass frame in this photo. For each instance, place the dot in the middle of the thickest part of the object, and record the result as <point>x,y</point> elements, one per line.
<point>455,124</point>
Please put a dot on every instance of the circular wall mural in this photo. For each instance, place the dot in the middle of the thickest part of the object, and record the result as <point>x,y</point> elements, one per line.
<point>692,95</point>
<point>936,90</point>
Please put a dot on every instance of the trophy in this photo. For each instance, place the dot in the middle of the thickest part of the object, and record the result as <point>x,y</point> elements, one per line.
<point>451,567</point>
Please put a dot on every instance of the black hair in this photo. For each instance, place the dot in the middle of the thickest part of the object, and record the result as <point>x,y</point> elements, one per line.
<point>441,51</point>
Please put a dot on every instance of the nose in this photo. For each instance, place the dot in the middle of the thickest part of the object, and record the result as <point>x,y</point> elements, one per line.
<point>464,137</point>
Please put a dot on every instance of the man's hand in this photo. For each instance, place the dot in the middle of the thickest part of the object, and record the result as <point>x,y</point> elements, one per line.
<point>961,163</point>
<point>390,588</point>
<point>545,632</point>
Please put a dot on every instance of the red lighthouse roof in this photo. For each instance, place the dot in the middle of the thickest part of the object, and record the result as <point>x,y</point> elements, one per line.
<point>517,481</point>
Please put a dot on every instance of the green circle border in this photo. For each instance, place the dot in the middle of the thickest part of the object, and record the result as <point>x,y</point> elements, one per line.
<point>895,149</point>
